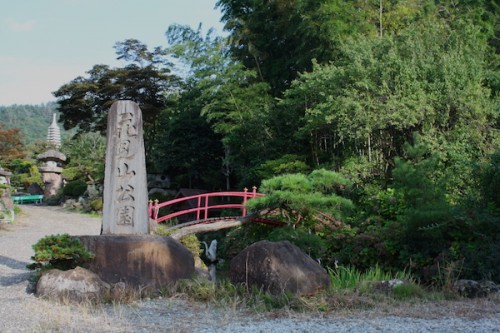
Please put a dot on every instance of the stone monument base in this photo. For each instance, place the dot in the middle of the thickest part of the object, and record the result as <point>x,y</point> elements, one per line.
<point>142,261</point>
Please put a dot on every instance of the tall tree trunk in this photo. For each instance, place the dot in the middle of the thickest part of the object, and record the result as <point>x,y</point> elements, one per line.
<point>369,148</point>
<point>227,166</point>
<point>381,10</point>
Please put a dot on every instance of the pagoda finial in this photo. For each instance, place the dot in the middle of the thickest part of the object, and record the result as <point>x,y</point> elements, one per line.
<point>54,133</point>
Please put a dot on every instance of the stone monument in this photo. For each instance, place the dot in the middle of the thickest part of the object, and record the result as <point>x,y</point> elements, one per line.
<point>125,199</point>
<point>125,253</point>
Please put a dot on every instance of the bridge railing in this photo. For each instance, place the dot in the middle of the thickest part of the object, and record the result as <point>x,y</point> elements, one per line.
<point>203,204</point>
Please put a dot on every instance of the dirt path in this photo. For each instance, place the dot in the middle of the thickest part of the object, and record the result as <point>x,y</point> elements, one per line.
<point>34,223</point>
<point>21,311</point>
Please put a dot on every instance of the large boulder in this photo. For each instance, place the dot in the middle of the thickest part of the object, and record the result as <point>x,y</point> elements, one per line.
<point>473,289</point>
<point>76,285</point>
<point>277,267</point>
<point>143,261</point>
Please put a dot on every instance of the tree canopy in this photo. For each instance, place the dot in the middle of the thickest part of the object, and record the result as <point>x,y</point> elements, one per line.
<point>11,146</point>
<point>85,101</point>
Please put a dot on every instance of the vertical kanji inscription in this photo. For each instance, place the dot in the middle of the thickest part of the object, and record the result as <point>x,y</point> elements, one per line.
<point>125,186</point>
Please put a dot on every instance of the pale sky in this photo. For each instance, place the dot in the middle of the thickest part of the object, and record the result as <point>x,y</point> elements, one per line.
<point>47,43</point>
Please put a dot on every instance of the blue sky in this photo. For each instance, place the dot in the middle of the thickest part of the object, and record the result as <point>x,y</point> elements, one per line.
<point>46,43</point>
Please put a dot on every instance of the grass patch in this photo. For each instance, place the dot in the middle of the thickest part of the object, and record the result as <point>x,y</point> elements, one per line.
<point>407,290</point>
<point>351,278</point>
<point>225,294</point>
<point>350,290</point>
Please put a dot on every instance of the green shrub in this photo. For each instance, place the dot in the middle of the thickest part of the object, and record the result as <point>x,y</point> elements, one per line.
<point>75,188</point>
<point>54,200</point>
<point>26,179</point>
<point>96,205</point>
<point>72,173</point>
<point>59,251</point>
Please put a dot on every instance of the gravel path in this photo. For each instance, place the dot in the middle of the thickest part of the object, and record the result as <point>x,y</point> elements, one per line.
<point>21,311</point>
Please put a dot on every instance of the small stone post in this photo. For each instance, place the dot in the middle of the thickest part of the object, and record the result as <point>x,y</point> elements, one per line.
<point>125,198</point>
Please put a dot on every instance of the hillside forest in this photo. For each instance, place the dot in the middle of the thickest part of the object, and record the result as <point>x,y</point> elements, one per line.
<point>371,126</point>
<point>31,120</point>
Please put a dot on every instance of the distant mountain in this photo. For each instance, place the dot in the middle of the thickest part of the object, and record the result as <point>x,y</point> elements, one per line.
<point>32,120</point>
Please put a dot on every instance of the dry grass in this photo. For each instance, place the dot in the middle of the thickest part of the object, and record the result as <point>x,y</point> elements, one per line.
<point>179,313</point>
<point>418,303</point>
<point>70,317</point>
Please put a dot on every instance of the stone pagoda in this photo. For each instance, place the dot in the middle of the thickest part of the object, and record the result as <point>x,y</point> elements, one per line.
<point>52,161</point>
<point>54,133</point>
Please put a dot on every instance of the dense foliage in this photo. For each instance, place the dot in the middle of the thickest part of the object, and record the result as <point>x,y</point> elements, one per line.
<point>381,115</point>
<point>85,154</point>
<point>11,146</point>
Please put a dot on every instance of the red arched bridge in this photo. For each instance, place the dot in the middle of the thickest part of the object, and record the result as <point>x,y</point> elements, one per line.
<point>207,208</point>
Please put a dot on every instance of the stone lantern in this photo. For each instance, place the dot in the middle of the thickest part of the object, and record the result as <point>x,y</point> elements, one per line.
<point>4,176</point>
<point>6,203</point>
<point>51,170</point>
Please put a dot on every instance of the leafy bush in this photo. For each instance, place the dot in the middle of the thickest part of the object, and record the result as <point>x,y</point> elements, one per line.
<point>75,188</point>
<point>59,251</point>
<point>287,163</point>
<point>26,179</point>
<point>71,173</point>
<point>54,200</point>
<point>96,205</point>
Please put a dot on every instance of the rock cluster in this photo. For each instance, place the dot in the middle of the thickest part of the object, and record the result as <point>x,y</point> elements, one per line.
<point>473,289</point>
<point>122,263</point>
